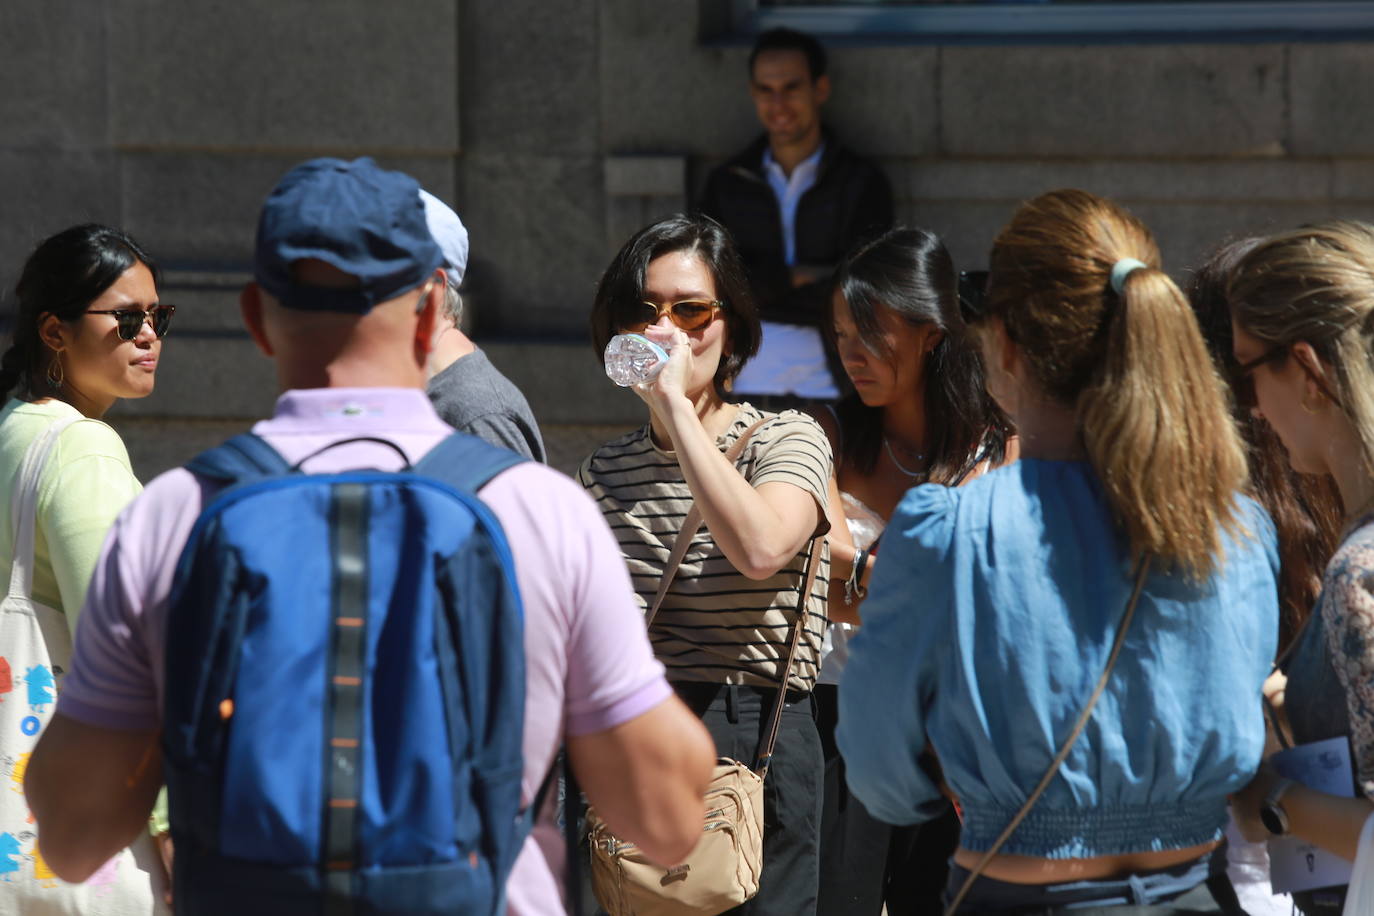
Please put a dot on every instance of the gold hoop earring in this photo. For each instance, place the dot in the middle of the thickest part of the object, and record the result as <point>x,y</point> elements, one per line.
<point>1303,405</point>
<point>56,374</point>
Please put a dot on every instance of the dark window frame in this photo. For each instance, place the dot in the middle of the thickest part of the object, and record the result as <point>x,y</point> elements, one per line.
<point>1100,22</point>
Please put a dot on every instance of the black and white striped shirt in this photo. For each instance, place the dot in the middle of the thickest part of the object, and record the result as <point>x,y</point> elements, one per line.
<point>716,625</point>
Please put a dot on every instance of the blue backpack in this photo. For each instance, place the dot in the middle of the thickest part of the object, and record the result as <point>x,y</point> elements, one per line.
<point>345,689</point>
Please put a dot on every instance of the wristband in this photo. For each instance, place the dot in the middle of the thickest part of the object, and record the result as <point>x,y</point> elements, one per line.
<point>1272,813</point>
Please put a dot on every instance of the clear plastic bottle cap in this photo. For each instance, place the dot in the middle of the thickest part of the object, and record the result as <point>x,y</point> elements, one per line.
<point>633,358</point>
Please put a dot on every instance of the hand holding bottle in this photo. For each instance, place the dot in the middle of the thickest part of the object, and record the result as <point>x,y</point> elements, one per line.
<point>632,359</point>
<point>670,380</point>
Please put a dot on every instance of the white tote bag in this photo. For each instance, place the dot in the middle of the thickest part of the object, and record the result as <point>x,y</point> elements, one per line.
<point>35,649</point>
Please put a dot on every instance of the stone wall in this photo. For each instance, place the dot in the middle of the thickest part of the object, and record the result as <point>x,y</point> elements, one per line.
<point>556,129</point>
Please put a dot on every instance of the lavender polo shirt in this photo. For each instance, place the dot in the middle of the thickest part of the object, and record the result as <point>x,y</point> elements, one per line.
<point>588,661</point>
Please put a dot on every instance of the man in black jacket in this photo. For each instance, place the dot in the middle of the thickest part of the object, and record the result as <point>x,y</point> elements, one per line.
<point>796,200</point>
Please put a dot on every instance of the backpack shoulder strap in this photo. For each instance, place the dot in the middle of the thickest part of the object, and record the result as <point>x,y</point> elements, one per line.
<point>466,462</point>
<point>244,457</point>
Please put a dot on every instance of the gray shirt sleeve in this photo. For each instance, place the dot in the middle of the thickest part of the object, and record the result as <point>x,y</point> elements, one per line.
<point>502,430</point>
<point>471,395</point>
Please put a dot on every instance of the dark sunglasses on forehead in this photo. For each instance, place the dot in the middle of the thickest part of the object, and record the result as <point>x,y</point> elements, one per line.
<point>688,314</point>
<point>130,321</point>
<point>973,291</point>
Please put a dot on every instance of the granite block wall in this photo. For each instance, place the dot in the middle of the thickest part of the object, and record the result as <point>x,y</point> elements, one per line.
<point>557,129</point>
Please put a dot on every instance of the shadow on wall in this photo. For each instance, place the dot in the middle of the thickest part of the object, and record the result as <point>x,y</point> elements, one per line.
<point>482,289</point>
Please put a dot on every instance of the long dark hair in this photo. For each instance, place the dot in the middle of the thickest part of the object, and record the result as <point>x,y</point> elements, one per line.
<point>909,273</point>
<point>1306,509</point>
<point>63,276</point>
<point>621,290</point>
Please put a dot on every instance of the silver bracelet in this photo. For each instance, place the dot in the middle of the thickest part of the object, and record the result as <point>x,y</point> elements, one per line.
<point>853,586</point>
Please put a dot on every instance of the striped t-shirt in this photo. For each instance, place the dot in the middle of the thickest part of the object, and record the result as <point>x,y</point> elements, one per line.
<point>716,624</point>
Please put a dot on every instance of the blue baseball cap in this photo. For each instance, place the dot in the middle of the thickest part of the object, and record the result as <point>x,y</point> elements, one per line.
<point>362,219</point>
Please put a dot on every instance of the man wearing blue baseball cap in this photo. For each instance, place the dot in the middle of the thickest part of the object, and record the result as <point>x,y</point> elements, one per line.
<point>468,392</point>
<point>346,293</point>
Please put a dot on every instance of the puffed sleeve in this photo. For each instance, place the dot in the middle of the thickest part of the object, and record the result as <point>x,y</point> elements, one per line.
<point>889,682</point>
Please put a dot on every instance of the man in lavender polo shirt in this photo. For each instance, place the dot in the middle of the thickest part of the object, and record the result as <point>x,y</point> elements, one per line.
<point>345,302</point>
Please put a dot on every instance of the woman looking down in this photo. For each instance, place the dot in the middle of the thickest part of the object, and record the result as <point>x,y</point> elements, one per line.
<point>920,413</point>
<point>1300,308</point>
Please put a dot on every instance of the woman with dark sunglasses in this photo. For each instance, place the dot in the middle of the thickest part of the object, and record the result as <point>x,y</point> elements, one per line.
<point>1306,513</point>
<point>1115,559</point>
<point>919,413</point>
<point>86,332</point>
<point>723,628</point>
<point>1302,307</point>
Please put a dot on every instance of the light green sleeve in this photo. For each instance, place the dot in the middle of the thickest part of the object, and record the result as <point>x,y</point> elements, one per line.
<point>87,483</point>
<point>158,822</point>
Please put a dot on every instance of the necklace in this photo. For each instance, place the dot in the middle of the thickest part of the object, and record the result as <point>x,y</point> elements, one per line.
<point>898,465</point>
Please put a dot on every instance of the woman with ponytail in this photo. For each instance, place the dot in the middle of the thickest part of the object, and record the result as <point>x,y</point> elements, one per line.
<point>1302,308</point>
<point>919,413</point>
<point>87,331</point>
<point>1080,636</point>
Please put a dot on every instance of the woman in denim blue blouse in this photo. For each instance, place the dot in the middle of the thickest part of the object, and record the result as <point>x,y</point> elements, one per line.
<point>990,619</point>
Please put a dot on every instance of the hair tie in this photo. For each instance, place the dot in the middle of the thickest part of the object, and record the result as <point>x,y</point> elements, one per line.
<point>1123,269</point>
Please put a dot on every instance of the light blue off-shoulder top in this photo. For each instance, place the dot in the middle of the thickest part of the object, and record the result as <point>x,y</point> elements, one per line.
<point>991,614</point>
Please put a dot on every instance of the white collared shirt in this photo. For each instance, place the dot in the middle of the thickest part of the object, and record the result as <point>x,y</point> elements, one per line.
<point>789,190</point>
<point>791,358</point>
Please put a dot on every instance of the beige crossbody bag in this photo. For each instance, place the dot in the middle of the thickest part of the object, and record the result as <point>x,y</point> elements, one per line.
<point>723,870</point>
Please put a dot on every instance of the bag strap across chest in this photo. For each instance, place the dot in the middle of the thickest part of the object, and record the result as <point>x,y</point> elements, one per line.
<point>1142,573</point>
<point>690,526</point>
<point>462,461</point>
<point>24,506</point>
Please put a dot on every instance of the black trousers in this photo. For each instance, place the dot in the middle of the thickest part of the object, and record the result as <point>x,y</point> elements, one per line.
<point>866,862</point>
<point>854,844</point>
<point>736,717</point>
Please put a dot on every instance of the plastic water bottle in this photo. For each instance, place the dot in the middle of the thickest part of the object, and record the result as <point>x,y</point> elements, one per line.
<point>633,358</point>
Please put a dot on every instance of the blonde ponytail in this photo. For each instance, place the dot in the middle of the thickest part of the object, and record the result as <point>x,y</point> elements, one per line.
<point>1158,429</point>
<point>1152,411</point>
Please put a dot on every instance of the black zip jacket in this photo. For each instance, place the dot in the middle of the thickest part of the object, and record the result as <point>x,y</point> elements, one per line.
<point>850,201</point>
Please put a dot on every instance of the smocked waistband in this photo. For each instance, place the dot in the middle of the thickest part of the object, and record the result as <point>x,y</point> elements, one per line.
<point>1080,833</point>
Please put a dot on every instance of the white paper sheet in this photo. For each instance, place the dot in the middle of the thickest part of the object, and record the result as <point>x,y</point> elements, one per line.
<point>1294,864</point>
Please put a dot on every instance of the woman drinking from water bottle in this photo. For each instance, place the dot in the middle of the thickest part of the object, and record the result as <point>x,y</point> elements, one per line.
<point>723,627</point>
